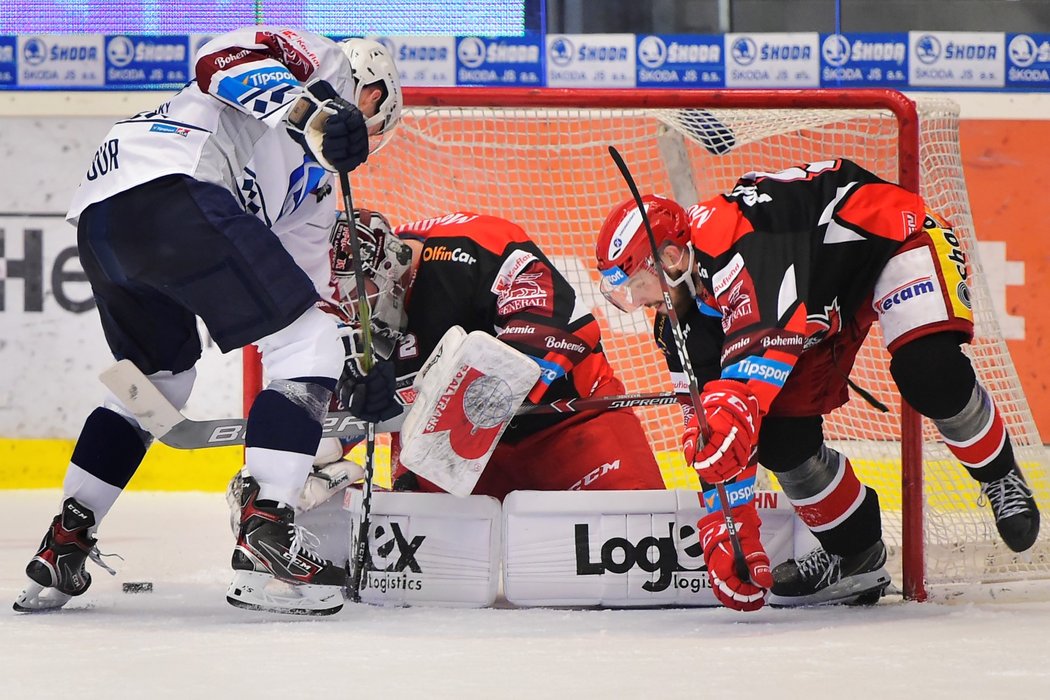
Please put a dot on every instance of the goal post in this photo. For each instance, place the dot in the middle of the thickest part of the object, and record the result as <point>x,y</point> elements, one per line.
<point>539,157</point>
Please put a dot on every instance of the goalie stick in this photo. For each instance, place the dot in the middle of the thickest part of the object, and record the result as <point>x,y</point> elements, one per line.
<point>158,416</point>
<point>740,563</point>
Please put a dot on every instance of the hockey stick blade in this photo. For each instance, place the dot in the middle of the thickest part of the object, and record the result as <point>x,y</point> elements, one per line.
<point>157,415</point>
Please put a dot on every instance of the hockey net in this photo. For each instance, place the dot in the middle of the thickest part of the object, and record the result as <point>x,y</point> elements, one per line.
<point>540,158</point>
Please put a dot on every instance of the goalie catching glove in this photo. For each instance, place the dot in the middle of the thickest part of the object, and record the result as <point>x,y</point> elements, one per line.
<point>329,129</point>
<point>721,565</point>
<point>733,417</point>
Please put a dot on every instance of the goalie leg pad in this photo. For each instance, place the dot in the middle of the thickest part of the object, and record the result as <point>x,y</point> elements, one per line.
<point>621,548</point>
<point>466,396</point>
<point>429,549</point>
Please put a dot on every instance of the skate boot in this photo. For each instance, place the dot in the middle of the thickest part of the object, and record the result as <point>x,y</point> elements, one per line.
<point>321,484</point>
<point>821,578</point>
<point>57,572</point>
<point>1016,514</point>
<point>275,568</point>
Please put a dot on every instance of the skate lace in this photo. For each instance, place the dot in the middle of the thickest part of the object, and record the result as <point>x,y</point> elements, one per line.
<point>96,556</point>
<point>1007,495</point>
<point>821,565</point>
<point>304,543</point>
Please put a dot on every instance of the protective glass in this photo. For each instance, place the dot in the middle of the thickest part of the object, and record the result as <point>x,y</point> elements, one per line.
<point>631,292</point>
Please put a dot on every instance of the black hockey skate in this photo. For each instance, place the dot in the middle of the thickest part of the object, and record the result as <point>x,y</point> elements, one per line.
<point>57,572</point>
<point>275,568</point>
<point>1016,513</point>
<point>821,578</point>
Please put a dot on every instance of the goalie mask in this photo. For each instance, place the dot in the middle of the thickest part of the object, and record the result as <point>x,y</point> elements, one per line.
<point>625,256</point>
<point>386,264</point>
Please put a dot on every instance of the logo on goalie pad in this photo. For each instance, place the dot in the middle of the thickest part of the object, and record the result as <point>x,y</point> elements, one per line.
<point>473,409</point>
<point>650,554</point>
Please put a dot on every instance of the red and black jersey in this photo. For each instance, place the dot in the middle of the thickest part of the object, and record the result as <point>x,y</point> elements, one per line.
<point>784,259</point>
<point>484,273</point>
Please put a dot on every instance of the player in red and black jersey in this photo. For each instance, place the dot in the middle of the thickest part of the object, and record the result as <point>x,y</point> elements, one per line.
<point>483,273</point>
<point>777,284</point>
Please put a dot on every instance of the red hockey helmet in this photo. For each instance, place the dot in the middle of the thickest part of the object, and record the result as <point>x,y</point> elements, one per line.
<point>625,257</point>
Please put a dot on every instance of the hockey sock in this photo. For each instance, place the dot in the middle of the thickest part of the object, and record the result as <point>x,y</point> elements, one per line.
<point>282,434</point>
<point>977,437</point>
<point>106,455</point>
<point>841,512</point>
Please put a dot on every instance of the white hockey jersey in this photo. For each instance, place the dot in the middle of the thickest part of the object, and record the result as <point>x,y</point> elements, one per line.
<point>226,127</point>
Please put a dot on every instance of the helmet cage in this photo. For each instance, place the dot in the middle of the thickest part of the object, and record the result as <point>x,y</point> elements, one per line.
<point>386,263</point>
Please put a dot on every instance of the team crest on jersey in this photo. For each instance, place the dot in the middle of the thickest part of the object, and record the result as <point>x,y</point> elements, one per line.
<point>821,325</point>
<point>527,291</point>
<point>739,305</point>
<point>516,290</point>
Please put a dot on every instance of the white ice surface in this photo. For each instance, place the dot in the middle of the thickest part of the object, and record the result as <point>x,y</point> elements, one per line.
<point>184,641</point>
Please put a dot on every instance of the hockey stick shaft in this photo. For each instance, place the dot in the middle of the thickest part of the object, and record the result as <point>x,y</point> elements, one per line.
<point>739,561</point>
<point>364,315</point>
<point>158,416</point>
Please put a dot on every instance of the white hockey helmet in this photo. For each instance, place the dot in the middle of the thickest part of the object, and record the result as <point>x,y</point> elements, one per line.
<point>371,63</point>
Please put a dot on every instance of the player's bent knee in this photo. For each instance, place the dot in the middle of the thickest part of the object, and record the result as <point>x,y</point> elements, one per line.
<point>787,441</point>
<point>933,375</point>
<point>307,347</point>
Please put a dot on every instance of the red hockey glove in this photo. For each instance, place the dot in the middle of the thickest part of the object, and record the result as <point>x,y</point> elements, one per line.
<point>721,567</point>
<point>733,417</point>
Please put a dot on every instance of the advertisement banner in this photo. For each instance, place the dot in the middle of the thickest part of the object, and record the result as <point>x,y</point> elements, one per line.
<point>131,60</point>
<point>590,60</point>
<point>8,65</point>
<point>1028,61</point>
<point>423,60</point>
<point>864,60</point>
<point>60,61</point>
<point>504,62</point>
<point>956,59</point>
<point>680,61</point>
<point>773,60</point>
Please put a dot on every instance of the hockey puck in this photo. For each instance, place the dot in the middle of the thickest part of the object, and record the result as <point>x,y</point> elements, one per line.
<point>138,587</point>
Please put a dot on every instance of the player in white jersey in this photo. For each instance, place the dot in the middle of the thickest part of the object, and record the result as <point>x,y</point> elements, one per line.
<point>215,205</point>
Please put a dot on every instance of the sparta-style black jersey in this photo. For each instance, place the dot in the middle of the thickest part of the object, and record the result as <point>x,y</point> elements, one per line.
<point>785,259</point>
<point>485,273</point>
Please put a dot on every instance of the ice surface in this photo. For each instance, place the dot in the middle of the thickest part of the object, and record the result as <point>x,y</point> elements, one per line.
<point>184,641</point>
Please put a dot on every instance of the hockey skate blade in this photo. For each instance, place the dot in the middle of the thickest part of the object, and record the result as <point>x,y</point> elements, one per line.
<point>36,599</point>
<point>862,589</point>
<point>253,590</point>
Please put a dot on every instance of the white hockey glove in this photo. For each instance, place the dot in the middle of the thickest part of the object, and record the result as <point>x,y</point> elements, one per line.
<point>328,128</point>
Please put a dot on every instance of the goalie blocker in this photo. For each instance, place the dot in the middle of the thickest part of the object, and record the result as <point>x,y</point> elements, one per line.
<point>582,548</point>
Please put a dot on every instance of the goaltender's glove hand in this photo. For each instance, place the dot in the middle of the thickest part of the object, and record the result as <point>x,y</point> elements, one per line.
<point>370,395</point>
<point>328,128</point>
<point>733,417</point>
<point>721,565</point>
